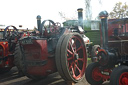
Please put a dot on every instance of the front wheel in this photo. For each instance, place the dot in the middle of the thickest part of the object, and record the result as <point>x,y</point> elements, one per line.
<point>119,76</point>
<point>92,74</point>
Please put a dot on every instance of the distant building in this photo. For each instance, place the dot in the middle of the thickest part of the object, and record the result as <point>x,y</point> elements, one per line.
<point>88,25</point>
<point>92,27</point>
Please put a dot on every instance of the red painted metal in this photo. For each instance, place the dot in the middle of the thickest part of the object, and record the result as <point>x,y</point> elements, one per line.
<point>112,26</point>
<point>38,52</point>
<point>98,75</point>
<point>99,58</point>
<point>4,53</point>
<point>123,80</point>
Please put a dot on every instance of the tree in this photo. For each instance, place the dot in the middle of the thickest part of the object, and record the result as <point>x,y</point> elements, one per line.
<point>119,11</point>
<point>88,8</point>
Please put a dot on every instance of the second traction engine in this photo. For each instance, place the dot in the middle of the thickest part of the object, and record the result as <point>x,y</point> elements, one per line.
<point>112,56</point>
<point>53,48</point>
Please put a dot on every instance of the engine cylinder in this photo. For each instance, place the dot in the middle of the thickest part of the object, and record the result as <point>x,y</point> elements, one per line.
<point>107,58</point>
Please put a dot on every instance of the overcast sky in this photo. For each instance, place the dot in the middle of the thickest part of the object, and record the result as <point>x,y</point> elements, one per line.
<point>24,12</point>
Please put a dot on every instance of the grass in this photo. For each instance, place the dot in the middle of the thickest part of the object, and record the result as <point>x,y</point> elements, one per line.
<point>89,60</point>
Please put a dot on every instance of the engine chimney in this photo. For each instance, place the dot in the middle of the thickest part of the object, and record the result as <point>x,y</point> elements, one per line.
<point>39,23</point>
<point>80,17</point>
<point>104,28</point>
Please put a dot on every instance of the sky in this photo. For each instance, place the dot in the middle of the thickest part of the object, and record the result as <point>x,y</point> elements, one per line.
<point>24,12</point>
<point>106,5</point>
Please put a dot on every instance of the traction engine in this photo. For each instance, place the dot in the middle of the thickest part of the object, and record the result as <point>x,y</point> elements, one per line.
<point>8,40</point>
<point>51,49</point>
<point>112,56</point>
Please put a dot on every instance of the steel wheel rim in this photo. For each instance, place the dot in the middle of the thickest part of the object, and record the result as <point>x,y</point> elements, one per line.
<point>123,80</point>
<point>76,57</point>
<point>96,74</point>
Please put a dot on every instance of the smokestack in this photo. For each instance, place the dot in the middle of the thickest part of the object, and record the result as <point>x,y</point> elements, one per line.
<point>104,28</point>
<point>39,23</point>
<point>80,17</point>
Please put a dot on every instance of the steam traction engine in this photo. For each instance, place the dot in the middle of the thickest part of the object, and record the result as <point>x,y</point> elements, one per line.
<point>52,48</point>
<point>8,40</point>
<point>112,57</point>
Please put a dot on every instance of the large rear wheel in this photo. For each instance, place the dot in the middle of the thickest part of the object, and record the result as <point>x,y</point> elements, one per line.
<point>18,59</point>
<point>71,57</point>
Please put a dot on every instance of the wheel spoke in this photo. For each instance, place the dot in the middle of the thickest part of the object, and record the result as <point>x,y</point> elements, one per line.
<point>74,47</point>
<point>70,51</point>
<point>80,59</point>
<point>76,61</point>
<point>78,48</point>
<point>73,71</point>
<point>78,69</point>
<point>70,66</point>
<point>70,44</point>
<point>70,58</point>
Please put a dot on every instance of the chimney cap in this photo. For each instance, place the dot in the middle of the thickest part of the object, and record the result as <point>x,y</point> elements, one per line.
<point>80,9</point>
<point>38,17</point>
<point>103,14</point>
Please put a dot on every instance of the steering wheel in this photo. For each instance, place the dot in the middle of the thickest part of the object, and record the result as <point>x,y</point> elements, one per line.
<point>47,26</point>
<point>10,34</point>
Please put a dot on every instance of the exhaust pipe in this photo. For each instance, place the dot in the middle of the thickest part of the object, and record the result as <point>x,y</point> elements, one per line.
<point>104,28</point>
<point>80,17</point>
<point>39,23</point>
